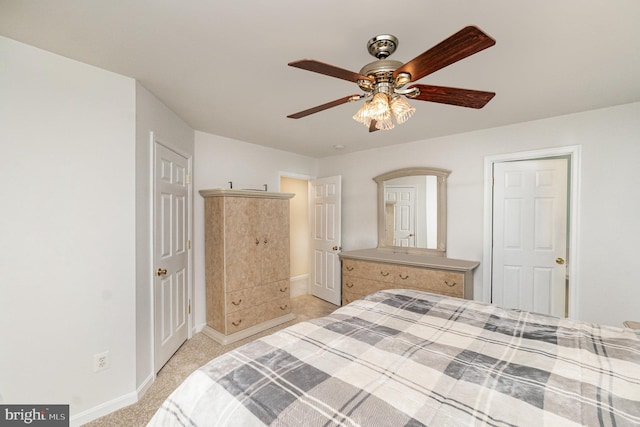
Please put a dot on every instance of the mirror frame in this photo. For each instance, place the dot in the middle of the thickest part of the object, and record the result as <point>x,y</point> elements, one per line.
<point>441,175</point>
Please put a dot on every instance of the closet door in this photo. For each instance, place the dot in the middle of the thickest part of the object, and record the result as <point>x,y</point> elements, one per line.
<point>274,232</point>
<point>242,243</point>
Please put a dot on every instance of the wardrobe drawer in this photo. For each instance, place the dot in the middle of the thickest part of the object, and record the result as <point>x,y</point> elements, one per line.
<point>252,297</point>
<point>277,290</point>
<point>243,319</point>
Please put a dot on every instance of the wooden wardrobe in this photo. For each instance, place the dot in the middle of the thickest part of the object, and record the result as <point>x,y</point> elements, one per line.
<point>247,265</point>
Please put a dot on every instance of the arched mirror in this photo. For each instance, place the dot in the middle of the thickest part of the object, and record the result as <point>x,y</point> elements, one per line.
<point>412,210</point>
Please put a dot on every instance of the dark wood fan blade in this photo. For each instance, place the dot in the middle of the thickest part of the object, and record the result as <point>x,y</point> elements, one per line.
<point>322,107</point>
<point>328,70</point>
<point>462,44</point>
<point>454,96</point>
<point>372,126</point>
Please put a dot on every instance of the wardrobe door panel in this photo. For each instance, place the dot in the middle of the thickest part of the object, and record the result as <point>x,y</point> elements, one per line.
<point>242,243</point>
<point>274,234</point>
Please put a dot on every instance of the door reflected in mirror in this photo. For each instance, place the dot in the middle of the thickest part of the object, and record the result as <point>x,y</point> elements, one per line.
<point>412,210</point>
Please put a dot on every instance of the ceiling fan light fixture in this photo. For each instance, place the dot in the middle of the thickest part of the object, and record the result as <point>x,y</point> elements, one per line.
<point>383,111</point>
<point>385,123</point>
<point>362,116</point>
<point>380,111</point>
<point>379,107</point>
<point>402,110</point>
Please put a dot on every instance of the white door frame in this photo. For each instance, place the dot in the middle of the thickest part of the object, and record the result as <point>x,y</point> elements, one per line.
<point>574,154</point>
<point>153,140</point>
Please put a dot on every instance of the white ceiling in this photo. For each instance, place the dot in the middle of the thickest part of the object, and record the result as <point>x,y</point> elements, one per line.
<point>222,65</point>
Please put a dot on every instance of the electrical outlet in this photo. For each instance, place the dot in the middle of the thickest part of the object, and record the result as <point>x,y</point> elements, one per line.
<point>100,361</point>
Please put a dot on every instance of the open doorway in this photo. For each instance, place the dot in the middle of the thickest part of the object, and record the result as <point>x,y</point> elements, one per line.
<point>300,234</point>
<point>315,235</point>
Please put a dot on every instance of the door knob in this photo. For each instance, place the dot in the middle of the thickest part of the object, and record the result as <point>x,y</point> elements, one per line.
<point>161,272</point>
<point>336,248</point>
<point>559,261</point>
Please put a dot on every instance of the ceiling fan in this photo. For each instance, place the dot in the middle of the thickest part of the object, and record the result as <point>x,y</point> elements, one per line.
<point>383,81</point>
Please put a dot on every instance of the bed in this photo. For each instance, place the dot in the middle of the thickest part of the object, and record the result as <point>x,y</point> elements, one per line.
<point>409,358</point>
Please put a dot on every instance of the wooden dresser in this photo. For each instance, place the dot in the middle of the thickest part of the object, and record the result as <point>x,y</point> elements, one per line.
<point>246,262</point>
<point>370,270</point>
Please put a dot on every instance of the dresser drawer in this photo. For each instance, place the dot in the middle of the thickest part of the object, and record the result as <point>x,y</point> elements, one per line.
<point>361,286</point>
<point>349,297</point>
<point>243,319</point>
<point>436,281</point>
<point>370,270</point>
<point>360,278</point>
<point>252,297</point>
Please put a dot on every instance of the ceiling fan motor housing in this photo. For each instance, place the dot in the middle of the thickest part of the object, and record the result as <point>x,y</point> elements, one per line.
<point>381,71</point>
<point>383,45</point>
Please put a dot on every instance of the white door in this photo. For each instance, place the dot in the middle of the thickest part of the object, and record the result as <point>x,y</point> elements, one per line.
<point>325,212</point>
<point>530,235</point>
<point>170,291</point>
<point>403,201</point>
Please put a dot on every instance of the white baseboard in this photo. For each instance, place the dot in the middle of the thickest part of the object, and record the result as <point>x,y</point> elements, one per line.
<point>144,387</point>
<point>113,405</point>
<point>103,409</point>
<point>199,327</point>
<point>299,285</point>
<point>237,336</point>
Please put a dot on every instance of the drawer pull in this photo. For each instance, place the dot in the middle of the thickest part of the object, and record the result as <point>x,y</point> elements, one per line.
<point>450,285</point>
<point>384,274</point>
<point>348,267</point>
<point>349,285</point>
<point>403,277</point>
<point>265,241</point>
<point>257,241</point>
<point>284,289</point>
<point>237,303</point>
<point>285,307</point>
<point>237,323</point>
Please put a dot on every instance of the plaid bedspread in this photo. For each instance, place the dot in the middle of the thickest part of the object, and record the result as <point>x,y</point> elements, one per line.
<point>407,358</point>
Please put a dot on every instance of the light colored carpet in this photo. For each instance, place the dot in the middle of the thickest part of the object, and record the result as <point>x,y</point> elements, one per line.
<point>193,354</point>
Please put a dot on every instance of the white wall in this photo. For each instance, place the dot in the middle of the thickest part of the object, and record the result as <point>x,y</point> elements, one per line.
<point>67,230</point>
<point>609,280</point>
<point>219,160</point>
<point>151,116</point>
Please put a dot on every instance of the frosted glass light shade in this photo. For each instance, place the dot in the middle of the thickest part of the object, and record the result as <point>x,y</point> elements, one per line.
<point>362,116</point>
<point>384,121</point>
<point>402,110</point>
<point>379,106</point>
